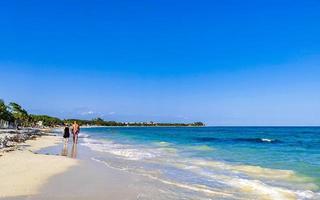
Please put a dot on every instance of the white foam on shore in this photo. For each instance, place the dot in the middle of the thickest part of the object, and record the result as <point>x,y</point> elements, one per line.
<point>125,151</point>
<point>308,194</point>
<point>83,135</point>
<point>256,181</point>
<point>262,188</point>
<point>196,188</point>
<point>254,187</point>
<point>255,171</point>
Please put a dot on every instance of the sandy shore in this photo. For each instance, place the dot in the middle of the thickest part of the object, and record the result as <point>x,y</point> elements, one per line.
<point>23,172</point>
<point>46,169</point>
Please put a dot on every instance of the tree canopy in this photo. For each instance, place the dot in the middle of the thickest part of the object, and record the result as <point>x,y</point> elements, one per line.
<point>20,114</point>
<point>46,120</point>
<point>5,114</point>
<point>15,113</point>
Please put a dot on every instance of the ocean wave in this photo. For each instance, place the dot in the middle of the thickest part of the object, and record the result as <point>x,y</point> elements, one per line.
<point>83,135</point>
<point>254,181</point>
<point>262,190</point>
<point>255,171</point>
<point>234,185</point>
<point>307,194</point>
<point>229,175</point>
<point>249,140</point>
<point>162,144</point>
<point>202,148</point>
<point>169,150</point>
<point>196,188</point>
<point>122,150</point>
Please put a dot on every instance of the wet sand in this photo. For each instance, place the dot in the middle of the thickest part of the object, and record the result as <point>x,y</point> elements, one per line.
<point>47,169</point>
<point>64,172</point>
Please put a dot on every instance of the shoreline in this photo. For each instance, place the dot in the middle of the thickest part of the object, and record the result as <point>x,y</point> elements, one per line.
<point>39,169</point>
<point>45,168</point>
<point>143,126</point>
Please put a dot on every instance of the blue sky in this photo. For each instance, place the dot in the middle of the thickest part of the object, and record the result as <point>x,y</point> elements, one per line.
<point>222,62</point>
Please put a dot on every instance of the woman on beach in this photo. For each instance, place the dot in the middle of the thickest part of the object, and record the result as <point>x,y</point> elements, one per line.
<point>66,134</point>
<point>75,131</point>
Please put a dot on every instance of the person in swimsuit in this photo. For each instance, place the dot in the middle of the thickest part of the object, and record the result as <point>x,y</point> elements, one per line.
<point>75,131</point>
<point>66,133</point>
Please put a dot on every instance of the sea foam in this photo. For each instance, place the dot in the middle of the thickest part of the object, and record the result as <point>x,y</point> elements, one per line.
<point>122,150</point>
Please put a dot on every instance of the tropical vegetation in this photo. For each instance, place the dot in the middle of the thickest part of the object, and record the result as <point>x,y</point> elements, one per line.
<point>14,113</point>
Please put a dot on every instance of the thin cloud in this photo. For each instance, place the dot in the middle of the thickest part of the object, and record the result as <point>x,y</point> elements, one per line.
<point>90,112</point>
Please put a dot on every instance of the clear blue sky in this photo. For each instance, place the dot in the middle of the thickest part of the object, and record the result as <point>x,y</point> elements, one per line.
<point>232,62</point>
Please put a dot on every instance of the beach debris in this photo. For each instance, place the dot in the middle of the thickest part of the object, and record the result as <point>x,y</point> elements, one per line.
<point>9,138</point>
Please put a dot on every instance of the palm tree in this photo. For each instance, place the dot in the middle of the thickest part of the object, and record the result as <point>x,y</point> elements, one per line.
<point>4,112</point>
<point>20,114</point>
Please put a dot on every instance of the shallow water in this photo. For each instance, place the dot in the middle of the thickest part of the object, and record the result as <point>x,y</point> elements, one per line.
<point>211,162</point>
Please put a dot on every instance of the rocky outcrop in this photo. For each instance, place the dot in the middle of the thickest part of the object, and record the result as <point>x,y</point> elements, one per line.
<point>10,137</point>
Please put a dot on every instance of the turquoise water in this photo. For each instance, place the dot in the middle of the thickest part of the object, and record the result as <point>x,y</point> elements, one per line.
<point>230,162</point>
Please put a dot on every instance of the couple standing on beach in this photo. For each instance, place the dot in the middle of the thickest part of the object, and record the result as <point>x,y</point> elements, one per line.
<point>75,131</point>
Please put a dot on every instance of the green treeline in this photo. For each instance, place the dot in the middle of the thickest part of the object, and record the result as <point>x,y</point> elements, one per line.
<point>101,122</point>
<point>14,113</point>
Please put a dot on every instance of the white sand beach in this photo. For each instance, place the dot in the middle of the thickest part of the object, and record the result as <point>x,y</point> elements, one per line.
<point>45,168</point>
<point>27,174</point>
<point>23,172</point>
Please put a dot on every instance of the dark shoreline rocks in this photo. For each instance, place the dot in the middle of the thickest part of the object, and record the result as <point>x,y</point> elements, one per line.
<point>9,138</point>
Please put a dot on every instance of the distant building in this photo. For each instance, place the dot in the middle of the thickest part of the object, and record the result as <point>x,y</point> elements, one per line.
<point>40,123</point>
